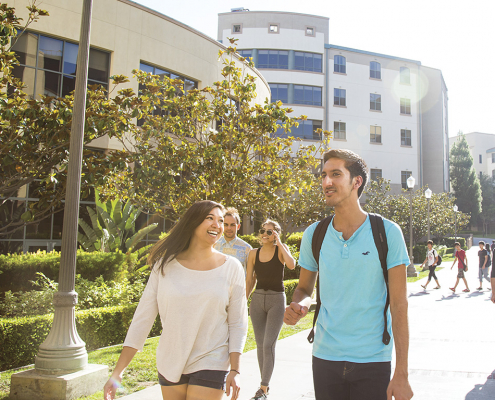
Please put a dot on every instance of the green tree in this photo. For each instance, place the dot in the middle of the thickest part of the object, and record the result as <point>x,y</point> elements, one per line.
<point>487,216</point>
<point>215,143</point>
<point>397,209</point>
<point>463,178</point>
<point>35,133</point>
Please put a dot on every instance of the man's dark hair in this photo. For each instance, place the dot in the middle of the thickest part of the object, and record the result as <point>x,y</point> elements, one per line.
<point>353,162</point>
<point>481,242</point>
<point>430,242</point>
<point>457,244</point>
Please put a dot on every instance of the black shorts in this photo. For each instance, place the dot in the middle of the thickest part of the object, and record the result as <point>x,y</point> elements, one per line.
<point>207,378</point>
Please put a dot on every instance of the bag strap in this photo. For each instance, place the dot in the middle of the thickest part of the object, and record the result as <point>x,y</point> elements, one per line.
<point>380,237</point>
<point>318,236</point>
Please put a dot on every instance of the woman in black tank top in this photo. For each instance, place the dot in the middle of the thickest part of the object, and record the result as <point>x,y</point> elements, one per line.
<point>265,269</point>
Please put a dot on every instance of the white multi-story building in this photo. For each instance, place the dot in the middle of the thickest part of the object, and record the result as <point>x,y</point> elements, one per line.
<point>390,110</point>
<point>482,149</point>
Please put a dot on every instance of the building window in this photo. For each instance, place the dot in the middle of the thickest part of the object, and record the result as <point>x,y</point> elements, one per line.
<point>375,174</point>
<point>403,178</point>
<point>493,157</point>
<point>310,31</point>
<point>47,66</point>
<point>247,54</point>
<point>375,70</point>
<point>276,59</point>
<point>339,97</point>
<point>375,102</point>
<point>375,134</point>
<point>405,106</point>
<point>306,130</point>
<point>279,92</point>
<point>274,28</point>
<point>339,64</point>
<point>188,83</point>
<point>339,130</point>
<point>310,95</point>
<point>308,61</point>
<point>481,159</point>
<point>493,174</point>
<point>236,28</point>
<point>405,137</point>
<point>405,75</point>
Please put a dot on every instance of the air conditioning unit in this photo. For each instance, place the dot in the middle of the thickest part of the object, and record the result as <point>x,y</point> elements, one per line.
<point>238,9</point>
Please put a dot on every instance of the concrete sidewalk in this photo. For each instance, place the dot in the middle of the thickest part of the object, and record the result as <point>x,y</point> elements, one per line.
<point>451,356</point>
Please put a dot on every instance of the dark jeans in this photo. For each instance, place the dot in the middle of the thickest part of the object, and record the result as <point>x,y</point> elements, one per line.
<point>343,380</point>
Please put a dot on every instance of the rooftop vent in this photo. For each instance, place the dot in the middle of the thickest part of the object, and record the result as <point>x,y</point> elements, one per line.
<point>238,9</point>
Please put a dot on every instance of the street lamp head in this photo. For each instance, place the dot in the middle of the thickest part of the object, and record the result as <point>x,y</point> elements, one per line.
<point>455,208</point>
<point>428,193</point>
<point>410,182</point>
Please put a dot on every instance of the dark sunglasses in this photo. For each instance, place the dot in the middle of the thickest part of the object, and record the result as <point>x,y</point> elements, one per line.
<point>269,232</point>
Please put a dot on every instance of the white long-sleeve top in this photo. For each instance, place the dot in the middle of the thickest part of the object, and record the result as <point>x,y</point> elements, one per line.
<point>203,315</point>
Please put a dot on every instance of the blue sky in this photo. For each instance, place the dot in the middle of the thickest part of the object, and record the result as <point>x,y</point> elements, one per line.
<point>456,37</point>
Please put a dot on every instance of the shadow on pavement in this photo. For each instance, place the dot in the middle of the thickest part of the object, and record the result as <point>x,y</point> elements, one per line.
<point>485,391</point>
<point>422,293</point>
<point>450,297</point>
<point>474,294</point>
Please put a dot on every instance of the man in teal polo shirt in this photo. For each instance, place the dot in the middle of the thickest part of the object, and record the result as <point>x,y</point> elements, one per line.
<point>350,361</point>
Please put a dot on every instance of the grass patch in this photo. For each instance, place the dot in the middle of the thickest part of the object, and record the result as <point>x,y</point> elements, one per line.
<point>424,274</point>
<point>141,372</point>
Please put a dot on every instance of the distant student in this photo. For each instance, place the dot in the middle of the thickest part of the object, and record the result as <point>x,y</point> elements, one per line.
<point>431,260</point>
<point>483,266</point>
<point>229,243</point>
<point>460,257</point>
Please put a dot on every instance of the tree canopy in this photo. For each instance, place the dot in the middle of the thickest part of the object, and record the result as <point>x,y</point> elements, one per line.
<point>213,143</point>
<point>463,179</point>
<point>487,216</point>
<point>397,209</point>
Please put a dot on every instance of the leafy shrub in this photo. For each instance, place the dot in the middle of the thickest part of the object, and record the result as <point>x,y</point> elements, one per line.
<point>251,239</point>
<point>19,270</point>
<point>440,250</point>
<point>449,241</point>
<point>97,327</point>
<point>449,250</point>
<point>290,287</point>
<point>90,295</point>
<point>419,253</point>
<point>295,239</point>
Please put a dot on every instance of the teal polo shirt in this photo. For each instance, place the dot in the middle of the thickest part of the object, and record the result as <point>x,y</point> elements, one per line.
<point>352,292</point>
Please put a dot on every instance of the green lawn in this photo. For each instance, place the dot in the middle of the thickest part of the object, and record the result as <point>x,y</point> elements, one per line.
<point>141,373</point>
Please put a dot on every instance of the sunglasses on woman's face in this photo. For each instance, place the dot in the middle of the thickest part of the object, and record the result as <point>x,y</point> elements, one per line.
<point>269,232</point>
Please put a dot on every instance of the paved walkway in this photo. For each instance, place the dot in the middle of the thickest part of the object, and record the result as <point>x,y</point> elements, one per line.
<point>452,347</point>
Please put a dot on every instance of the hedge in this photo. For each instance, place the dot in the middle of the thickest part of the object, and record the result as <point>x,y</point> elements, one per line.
<point>251,239</point>
<point>18,269</point>
<point>449,241</point>
<point>20,338</point>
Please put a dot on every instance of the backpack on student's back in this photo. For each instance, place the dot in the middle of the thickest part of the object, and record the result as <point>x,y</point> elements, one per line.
<point>439,260</point>
<point>380,237</point>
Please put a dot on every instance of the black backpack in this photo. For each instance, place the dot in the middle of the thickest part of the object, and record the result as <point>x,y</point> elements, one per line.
<point>380,238</point>
<point>439,259</point>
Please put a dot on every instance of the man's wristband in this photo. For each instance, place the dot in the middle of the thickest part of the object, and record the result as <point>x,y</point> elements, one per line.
<point>234,370</point>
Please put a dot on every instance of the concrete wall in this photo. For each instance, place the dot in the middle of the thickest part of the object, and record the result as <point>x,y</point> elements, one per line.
<point>435,142</point>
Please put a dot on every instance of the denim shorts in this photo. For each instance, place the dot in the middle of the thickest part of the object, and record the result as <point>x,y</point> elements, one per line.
<point>207,378</point>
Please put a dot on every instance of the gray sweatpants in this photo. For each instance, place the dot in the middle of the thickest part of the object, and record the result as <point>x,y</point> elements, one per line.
<point>267,315</point>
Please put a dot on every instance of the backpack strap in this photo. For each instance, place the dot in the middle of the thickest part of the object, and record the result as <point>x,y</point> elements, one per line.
<point>380,237</point>
<point>318,236</point>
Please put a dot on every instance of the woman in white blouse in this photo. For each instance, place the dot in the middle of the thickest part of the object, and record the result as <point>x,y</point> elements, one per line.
<point>200,296</point>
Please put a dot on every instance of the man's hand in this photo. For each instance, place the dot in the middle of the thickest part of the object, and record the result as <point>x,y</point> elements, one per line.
<point>294,312</point>
<point>399,388</point>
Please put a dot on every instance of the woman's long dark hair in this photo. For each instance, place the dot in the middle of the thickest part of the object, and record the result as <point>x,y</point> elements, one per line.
<point>180,235</point>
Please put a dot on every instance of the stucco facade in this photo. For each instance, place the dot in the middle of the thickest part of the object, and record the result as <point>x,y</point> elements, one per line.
<point>482,148</point>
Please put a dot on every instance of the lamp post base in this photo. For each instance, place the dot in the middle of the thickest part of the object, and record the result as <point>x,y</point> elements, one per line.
<point>411,270</point>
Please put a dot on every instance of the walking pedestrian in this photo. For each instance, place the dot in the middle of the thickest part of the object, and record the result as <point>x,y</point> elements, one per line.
<point>265,268</point>
<point>352,352</point>
<point>230,243</point>
<point>483,264</point>
<point>431,260</point>
<point>199,295</point>
<point>462,265</point>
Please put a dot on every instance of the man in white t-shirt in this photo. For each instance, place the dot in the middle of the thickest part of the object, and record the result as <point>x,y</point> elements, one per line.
<point>431,260</point>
